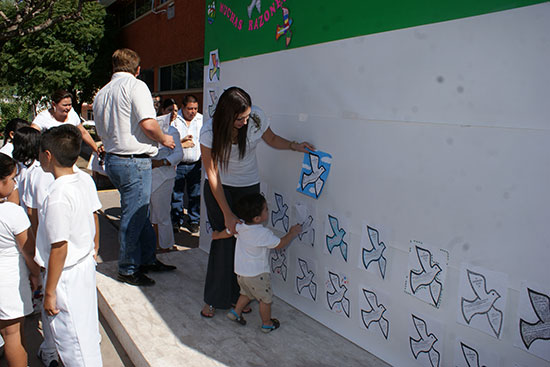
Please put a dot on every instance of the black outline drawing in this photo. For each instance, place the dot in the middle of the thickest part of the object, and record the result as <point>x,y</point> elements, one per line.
<point>279,262</point>
<point>338,239</point>
<point>376,313</point>
<point>429,272</point>
<point>208,227</point>
<point>280,214</point>
<point>376,253</point>
<point>419,345</point>
<point>471,356</point>
<point>482,304</point>
<point>338,295</point>
<point>307,228</point>
<point>540,330</point>
<point>306,281</point>
<point>214,100</point>
<point>215,69</point>
<point>314,177</point>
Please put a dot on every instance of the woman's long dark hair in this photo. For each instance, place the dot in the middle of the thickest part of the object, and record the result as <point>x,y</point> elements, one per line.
<point>7,166</point>
<point>12,126</point>
<point>231,104</point>
<point>26,145</point>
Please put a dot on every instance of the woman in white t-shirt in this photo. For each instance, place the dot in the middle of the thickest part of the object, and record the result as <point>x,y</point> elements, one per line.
<point>16,261</point>
<point>62,112</point>
<point>228,149</point>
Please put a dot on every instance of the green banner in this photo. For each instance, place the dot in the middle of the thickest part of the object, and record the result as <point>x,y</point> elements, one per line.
<point>252,27</point>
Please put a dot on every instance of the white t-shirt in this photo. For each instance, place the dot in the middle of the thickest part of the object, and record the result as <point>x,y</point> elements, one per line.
<point>252,249</point>
<point>67,215</point>
<point>7,149</point>
<point>13,221</point>
<point>119,107</point>
<point>193,154</point>
<point>36,186</point>
<point>240,172</point>
<point>44,120</point>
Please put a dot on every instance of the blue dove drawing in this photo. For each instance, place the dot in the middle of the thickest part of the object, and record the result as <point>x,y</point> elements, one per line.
<point>376,313</point>
<point>278,264</point>
<point>427,275</point>
<point>280,213</point>
<point>306,280</point>
<point>314,177</point>
<point>337,294</point>
<point>471,356</point>
<point>424,343</point>
<point>376,253</point>
<point>483,303</point>
<point>540,330</point>
<point>337,240</point>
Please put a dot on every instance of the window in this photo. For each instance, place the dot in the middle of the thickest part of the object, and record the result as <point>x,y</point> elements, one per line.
<point>187,75</point>
<point>148,76</point>
<point>133,10</point>
<point>90,115</point>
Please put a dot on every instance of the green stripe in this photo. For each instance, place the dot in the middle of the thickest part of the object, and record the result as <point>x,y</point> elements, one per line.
<point>320,21</point>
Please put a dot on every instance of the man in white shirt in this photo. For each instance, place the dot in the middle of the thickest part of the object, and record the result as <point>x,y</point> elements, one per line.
<point>126,122</point>
<point>188,173</point>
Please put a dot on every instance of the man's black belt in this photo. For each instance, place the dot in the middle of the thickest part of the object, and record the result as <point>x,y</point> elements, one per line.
<point>188,163</point>
<point>143,155</point>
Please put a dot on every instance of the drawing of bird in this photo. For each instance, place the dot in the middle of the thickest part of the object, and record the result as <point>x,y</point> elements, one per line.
<point>425,342</point>
<point>314,177</point>
<point>540,330</point>
<point>254,4</point>
<point>470,355</point>
<point>278,263</point>
<point>376,313</point>
<point>280,213</point>
<point>426,276</point>
<point>376,253</point>
<point>338,293</point>
<point>483,303</point>
<point>306,280</point>
<point>307,230</point>
<point>285,28</point>
<point>337,240</point>
<point>214,100</point>
<point>215,67</point>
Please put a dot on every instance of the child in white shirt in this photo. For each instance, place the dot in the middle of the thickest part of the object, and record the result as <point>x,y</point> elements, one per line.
<point>66,246</point>
<point>252,259</point>
<point>18,271</point>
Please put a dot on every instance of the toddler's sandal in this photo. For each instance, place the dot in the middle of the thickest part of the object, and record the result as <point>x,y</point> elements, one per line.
<point>270,328</point>
<point>233,316</point>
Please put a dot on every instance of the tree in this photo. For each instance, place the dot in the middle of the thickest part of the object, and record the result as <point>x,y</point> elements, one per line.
<point>72,55</point>
<point>20,18</point>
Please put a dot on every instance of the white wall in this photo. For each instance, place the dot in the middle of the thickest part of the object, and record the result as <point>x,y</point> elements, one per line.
<point>439,133</point>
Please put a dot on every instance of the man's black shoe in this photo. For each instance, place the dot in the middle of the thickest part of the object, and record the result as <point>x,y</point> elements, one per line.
<point>192,227</point>
<point>138,278</point>
<point>156,267</point>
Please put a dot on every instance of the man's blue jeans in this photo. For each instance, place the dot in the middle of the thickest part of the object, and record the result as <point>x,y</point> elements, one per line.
<point>136,236</point>
<point>187,176</point>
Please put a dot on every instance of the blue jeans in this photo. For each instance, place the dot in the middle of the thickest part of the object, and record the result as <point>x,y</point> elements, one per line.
<point>136,236</point>
<point>187,176</point>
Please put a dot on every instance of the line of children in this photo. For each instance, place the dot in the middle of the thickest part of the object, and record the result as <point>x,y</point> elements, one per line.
<point>62,202</point>
<point>252,258</point>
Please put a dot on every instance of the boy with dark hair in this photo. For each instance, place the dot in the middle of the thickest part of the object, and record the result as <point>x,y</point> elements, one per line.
<point>66,246</point>
<point>251,259</point>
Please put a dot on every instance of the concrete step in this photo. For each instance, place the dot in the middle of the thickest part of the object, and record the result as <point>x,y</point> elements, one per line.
<point>161,325</point>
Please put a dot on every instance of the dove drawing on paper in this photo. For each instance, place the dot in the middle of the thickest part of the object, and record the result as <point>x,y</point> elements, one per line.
<point>471,356</point>
<point>426,276</point>
<point>424,342</point>
<point>278,263</point>
<point>305,280</point>
<point>337,239</point>
<point>375,253</point>
<point>375,314</point>
<point>315,170</point>
<point>308,232</point>
<point>336,294</point>
<point>280,214</point>
<point>540,328</point>
<point>483,305</point>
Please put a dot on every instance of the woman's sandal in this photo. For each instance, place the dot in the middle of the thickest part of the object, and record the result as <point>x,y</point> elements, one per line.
<point>270,328</point>
<point>211,312</point>
<point>233,316</point>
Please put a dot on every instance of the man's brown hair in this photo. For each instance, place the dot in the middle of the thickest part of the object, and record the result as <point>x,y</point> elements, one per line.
<point>126,60</point>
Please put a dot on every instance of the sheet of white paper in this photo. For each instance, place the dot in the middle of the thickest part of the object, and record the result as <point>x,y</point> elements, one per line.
<point>372,306</point>
<point>337,293</point>
<point>472,355</point>
<point>424,340</point>
<point>373,256</point>
<point>307,280</point>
